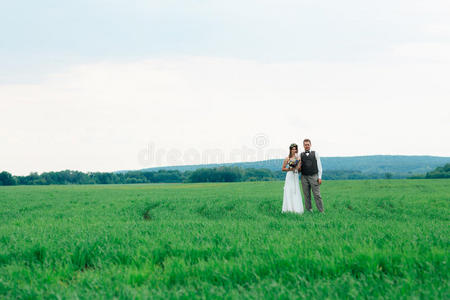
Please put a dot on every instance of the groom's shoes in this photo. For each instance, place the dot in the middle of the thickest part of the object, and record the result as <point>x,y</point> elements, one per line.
<point>309,210</point>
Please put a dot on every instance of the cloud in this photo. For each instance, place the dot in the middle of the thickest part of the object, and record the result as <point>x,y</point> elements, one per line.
<point>437,52</point>
<point>99,116</point>
<point>437,29</point>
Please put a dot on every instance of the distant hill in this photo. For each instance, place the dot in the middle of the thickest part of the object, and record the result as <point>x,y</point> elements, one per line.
<point>397,164</point>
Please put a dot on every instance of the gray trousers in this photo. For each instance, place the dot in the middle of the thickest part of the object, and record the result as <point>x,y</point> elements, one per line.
<point>310,183</point>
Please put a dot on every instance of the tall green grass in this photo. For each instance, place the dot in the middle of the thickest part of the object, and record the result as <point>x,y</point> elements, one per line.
<point>378,239</point>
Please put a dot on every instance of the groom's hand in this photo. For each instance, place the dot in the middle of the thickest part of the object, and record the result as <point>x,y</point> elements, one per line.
<point>319,181</point>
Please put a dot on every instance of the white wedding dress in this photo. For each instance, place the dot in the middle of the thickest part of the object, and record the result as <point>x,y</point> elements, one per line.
<point>292,197</point>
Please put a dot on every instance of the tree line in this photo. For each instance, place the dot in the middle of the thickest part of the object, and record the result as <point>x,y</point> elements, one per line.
<point>439,172</point>
<point>217,174</point>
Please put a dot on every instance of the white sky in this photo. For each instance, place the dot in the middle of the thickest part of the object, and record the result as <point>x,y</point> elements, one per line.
<point>90,93</point>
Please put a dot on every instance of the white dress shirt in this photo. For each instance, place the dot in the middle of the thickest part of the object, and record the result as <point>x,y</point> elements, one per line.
<point>319,164</point>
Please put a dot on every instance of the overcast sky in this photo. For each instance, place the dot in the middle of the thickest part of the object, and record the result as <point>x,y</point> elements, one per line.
<point>108,85</point>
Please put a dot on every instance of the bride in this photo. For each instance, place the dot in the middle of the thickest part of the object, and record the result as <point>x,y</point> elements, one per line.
<point>292,198</point>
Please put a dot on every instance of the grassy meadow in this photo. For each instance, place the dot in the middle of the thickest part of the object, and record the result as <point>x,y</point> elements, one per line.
<point>378,239</point>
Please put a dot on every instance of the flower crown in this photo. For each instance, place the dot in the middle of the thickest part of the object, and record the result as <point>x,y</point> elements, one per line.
<point>293,145</point>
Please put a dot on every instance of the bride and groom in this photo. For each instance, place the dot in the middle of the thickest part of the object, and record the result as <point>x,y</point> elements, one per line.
<point>310,167</point>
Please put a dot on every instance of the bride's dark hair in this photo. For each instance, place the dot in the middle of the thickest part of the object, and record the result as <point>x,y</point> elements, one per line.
<point>292,146</point>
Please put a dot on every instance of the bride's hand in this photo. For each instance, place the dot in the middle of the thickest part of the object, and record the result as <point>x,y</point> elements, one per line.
<point>285,167</point>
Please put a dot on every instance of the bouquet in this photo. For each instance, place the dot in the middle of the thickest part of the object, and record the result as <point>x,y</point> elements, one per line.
<point>293,163</point>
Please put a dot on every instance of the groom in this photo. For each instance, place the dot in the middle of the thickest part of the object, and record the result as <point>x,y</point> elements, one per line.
<point>311,169</point>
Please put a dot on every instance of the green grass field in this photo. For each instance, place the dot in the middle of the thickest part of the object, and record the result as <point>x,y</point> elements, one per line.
<point>378,239</point>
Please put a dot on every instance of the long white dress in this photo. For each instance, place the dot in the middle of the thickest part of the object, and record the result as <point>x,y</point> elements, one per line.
<point>292,197</point>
